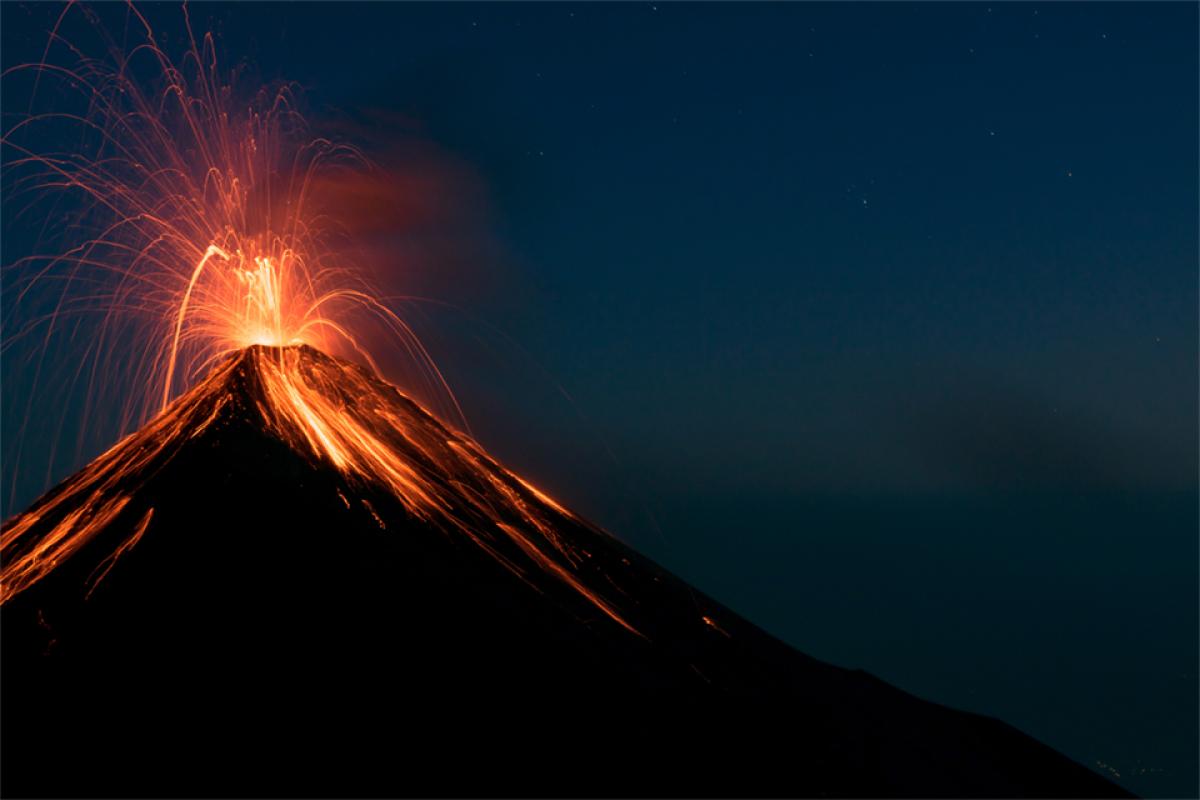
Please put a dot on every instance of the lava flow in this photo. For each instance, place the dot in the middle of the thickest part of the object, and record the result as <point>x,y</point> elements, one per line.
<point>291,579</point>
<point>330,412</point>
<point>214,239</point>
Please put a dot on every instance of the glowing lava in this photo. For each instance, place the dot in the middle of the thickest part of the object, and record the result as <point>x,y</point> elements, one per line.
<point>203,219</point>
<point>214,253</point>
<point>332,413</point>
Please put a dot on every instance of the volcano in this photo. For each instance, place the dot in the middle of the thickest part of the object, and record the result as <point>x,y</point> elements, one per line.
<point>297,582</point>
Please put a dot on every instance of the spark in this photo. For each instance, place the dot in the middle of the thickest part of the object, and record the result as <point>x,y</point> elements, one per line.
<point>209,224</point>
<point>331,413</point>
<point>215,255</point>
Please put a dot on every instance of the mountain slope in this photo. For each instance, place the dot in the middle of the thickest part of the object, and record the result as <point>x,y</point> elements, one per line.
<point>296,582</point>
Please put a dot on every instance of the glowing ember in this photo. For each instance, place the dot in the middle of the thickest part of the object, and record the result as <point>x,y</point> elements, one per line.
<point>329,412</point>
<point>214,242</point>
<point>212,226</point>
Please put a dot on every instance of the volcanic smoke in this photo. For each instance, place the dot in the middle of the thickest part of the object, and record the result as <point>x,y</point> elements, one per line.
<point>203,224</point>
<point>216,245</point>
<point>295,578</point>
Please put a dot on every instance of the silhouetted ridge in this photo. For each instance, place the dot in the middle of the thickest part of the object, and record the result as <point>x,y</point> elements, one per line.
<point>298,582</point>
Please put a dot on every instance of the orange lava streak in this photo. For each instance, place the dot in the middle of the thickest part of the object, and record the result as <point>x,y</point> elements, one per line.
<point>211,220</point>
<point>214,252</point>
<point>107,564</point>
<point>66,520</point>
<point>329,412</point>
<point>446,479</point>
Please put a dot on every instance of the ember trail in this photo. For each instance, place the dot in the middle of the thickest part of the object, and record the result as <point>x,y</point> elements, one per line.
<point>330,412</point>
<point>292,579</point>
<point>210,236</point>
<point>206,222</point>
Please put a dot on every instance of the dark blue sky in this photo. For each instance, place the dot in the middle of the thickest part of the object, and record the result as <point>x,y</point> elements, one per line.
<point>878,322</point>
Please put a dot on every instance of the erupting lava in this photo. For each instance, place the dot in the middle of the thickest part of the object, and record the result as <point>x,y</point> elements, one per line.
<point>330,412</point>
<point>293,580</point>
<point>210,229</point>
<point>214,239</point>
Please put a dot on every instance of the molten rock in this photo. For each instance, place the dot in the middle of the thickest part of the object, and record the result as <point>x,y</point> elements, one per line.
<point>296,582</point>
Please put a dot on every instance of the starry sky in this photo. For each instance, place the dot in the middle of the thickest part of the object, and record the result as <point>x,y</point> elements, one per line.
<point>877,322</point>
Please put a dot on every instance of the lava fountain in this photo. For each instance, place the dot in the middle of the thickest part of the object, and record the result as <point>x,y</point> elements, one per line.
<point>210,238</point>
<point>207,229</point>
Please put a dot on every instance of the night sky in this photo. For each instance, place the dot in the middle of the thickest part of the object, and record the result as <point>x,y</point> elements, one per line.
<point>878,323</point>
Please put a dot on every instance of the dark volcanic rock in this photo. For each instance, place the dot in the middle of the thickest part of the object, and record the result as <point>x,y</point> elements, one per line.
<point>280,629</point>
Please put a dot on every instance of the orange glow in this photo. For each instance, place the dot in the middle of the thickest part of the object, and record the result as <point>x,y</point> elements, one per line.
<point>216,223</point>
<point>332,413</point>
<point>217,256</point>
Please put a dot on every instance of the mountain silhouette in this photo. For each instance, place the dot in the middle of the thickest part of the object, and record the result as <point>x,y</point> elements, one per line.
<point>297,582</point>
